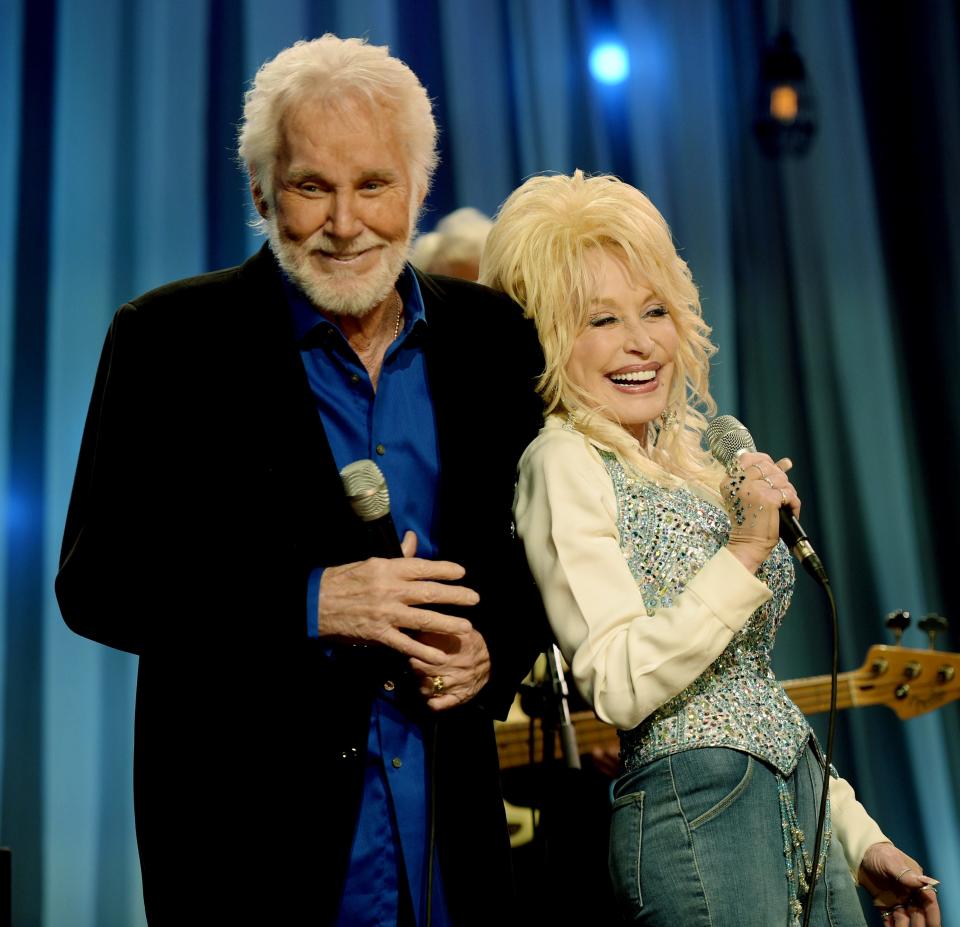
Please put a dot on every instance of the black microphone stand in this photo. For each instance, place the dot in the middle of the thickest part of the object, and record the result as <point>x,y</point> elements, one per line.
<point>554,783</point>
<point>560,714</point>
<point>572,886</point>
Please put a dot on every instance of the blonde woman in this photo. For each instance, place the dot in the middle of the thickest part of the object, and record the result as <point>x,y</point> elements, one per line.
<point>665,581</point>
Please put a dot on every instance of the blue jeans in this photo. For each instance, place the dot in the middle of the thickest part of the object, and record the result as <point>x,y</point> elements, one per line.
<point>696,841</point>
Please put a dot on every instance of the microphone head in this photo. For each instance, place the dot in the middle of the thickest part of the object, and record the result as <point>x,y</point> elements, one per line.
<point>366,488</point>
<point>728,438</point>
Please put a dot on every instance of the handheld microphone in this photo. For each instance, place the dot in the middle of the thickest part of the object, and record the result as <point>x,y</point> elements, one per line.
<point>727,439</point>
<point>366,489</point>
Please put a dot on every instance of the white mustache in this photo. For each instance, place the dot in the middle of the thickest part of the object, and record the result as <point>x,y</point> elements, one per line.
<point>320,241</point>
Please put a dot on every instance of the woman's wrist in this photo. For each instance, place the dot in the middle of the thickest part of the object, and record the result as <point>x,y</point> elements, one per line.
<point>748,554</point>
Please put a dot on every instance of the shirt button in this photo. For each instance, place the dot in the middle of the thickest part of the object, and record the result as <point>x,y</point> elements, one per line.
<point>389,685</point>
<point>354,377</point>
<point>381,450</point>
<point>396,762</point>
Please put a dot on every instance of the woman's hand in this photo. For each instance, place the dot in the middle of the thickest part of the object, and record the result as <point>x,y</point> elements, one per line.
<point>753,495</point>
<point>905,896</point>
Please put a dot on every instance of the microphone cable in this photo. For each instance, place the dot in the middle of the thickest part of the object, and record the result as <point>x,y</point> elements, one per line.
<point>828,759</point>
<point>728,438</point>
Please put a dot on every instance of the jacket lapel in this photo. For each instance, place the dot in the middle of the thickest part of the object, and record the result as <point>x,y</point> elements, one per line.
<point>295,450</point>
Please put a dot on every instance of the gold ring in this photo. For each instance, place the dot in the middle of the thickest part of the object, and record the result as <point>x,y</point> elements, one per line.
<point>783,497</point>
<point>905,871</point>
<point>438,685</point>
<point>760,469</point>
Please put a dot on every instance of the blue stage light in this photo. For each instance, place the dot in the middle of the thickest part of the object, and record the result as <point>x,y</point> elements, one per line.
<point>609,63</point>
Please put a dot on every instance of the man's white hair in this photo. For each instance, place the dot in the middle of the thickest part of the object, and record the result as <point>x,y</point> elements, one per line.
<point>338,73</point>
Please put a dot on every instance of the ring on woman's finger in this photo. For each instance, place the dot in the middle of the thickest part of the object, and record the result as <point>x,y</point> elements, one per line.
<point>905,871</point>
<point>769,482</point>
<point>759,469</point>
<point>783,497</point>
<point>438,686</point>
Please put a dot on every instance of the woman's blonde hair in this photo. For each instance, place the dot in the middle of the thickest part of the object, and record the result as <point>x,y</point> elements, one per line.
<point>539,251</point>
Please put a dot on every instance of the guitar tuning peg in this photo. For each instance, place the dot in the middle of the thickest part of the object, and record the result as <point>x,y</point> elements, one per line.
<point>898,622</point>
<point>933,624</point>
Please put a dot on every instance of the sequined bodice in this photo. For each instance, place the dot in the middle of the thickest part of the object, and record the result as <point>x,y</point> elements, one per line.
<point>667,536</point>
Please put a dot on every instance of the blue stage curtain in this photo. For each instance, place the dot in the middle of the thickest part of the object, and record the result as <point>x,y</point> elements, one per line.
<point>831,281</point>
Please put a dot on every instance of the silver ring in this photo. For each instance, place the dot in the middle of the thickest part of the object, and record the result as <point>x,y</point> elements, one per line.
<point>905,871</point>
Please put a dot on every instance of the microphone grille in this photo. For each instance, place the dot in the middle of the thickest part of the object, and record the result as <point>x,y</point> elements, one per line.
<point>366,489</point>
<point>727,438</point>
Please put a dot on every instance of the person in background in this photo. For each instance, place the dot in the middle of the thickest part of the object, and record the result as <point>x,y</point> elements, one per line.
<point>455,246</point>
<point>314,739</point>
<point>665,582</point>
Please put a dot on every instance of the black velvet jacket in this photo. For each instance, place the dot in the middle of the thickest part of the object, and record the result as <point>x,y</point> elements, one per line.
<point>205,493</point>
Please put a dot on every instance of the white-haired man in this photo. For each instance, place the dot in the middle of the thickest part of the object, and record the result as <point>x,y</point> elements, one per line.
<point>313,733</point>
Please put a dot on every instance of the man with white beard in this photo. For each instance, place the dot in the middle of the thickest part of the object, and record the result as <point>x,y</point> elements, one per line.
<point>314,737</point>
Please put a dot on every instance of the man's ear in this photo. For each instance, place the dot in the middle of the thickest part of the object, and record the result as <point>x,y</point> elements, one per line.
<point>259,200</point>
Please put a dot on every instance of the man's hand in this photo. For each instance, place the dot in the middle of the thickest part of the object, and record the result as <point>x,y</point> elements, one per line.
<point>463,671</point>
<point>376,600</point>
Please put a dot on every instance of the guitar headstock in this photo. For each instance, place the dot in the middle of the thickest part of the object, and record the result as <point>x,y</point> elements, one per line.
<point>909,680</point>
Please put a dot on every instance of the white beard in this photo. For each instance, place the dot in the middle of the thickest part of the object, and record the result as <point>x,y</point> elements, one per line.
<point>342,292</point>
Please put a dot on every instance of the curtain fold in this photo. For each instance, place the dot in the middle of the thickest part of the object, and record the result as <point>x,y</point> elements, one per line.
<point>831,282</point>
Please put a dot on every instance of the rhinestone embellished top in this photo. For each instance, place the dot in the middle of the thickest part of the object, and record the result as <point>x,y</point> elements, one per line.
<point>667,536</point>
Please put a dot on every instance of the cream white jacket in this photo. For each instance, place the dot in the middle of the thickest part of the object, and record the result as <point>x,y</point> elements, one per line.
<point>625,662</point>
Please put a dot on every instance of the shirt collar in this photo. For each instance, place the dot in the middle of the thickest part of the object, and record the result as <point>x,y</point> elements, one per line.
<point>306,318</point>
<point>564,420</point>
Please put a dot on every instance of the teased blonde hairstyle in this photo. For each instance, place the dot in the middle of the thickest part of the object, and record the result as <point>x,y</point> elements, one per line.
<point>539,254</point>
<point>338,73</point>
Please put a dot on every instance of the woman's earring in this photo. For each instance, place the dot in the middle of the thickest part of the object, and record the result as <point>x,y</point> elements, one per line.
<point>667,419</point>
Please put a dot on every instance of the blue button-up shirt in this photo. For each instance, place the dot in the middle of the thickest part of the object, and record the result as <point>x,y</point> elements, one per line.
<point>395,427</point>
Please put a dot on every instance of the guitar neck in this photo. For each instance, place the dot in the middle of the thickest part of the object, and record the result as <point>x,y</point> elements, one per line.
<point>812,693</point>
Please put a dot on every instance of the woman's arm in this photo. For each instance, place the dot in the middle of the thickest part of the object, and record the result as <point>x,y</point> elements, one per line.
<point>625,661</point>
<point>853,827</point>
